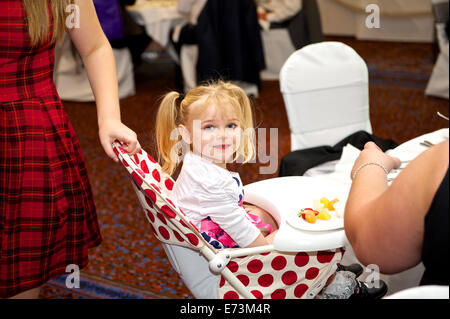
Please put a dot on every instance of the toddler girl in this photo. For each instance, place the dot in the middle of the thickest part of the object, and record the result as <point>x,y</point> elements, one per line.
<point>209,127</point>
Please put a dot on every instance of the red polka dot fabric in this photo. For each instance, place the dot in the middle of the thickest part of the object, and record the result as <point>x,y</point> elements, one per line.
<point>281,275</point>
<point>153,187</point>
<point>273,275</point>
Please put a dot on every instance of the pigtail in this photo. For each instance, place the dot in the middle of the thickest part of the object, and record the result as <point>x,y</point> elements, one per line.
<point>167,136</point>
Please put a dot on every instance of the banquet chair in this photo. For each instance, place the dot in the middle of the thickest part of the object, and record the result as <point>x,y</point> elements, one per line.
<point>438,84</point>
<point>211,271</point>
<point>69,70</point>
<point>225,44</point>
<point>325,88</point>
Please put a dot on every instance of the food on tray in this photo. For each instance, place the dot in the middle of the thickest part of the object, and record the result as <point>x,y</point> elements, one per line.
<point>324,215</point>
<point>331,204</point>
<point>324,201</point>
<point>310,217</point>
<point>321,210</point>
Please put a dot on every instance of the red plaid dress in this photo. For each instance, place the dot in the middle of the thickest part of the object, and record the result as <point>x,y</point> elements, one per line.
<point>47,212</point>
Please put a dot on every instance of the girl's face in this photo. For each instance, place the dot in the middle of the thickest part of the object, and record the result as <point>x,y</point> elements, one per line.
<point>214,132</point>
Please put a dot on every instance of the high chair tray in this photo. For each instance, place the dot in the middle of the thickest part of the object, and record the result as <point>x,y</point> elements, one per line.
<point>319,225</point>
<point>284,197</point>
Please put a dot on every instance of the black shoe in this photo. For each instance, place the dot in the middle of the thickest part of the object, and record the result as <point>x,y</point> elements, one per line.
<point>357,269</point>
<point>375,290</point>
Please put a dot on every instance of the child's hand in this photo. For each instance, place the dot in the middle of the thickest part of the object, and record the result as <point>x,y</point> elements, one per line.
<point>112,130</point>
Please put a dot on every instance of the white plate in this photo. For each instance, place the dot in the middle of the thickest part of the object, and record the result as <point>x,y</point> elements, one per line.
<point>320,225</point>
<point>305,201</point>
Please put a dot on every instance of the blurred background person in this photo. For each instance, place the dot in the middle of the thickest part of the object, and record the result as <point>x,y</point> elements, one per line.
<point>134,35</point>
<point>277,13</point>
<point>48,218</point>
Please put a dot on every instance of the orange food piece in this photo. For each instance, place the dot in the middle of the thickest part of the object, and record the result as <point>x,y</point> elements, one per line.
<point>310,217</point>
<point>324,201</point>
<point>331,204</point>
<point>304,211</point>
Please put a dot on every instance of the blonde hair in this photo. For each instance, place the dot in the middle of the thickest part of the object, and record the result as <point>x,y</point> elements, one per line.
<point>38,18</point>
<point>172,113</point>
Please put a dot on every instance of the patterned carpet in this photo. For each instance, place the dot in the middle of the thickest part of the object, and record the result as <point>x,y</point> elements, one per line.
<point>130,263</point>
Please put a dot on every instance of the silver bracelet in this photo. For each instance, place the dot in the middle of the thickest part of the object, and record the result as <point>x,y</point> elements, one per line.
<point>368,163</point>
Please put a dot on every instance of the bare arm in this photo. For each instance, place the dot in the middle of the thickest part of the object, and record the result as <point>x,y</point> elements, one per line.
<point>264,238</point>
<point>385,224</point>
<point>98,58</point>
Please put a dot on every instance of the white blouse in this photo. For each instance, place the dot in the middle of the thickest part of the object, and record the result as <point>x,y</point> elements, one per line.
<point>204,189</point>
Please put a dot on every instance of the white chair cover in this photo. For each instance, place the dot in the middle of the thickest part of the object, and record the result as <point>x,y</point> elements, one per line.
<point>438,84</point>
<point>188,64</point>
<point>326,94</point>
<point>277,48</point>
<point>72,82</point>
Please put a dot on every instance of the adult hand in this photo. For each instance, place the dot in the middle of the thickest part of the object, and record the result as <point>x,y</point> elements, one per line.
<point>372,153</point>
<point>112,130</point>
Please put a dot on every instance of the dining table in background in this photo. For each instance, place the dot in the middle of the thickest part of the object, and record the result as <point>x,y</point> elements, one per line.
<point>158,17</point>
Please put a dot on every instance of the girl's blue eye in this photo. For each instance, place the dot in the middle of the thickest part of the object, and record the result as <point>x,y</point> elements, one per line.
<point>231,125</point>
<point>208,127</point>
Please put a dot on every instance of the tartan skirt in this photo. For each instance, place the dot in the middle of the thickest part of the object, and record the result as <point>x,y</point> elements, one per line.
<point>47,212</point>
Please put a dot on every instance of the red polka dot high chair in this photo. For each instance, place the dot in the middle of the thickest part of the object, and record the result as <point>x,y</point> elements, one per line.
<point>212,272</point>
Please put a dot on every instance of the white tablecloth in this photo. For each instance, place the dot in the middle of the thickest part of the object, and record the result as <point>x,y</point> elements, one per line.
<point>158,17</point>
<point>405,152</point>
<point>401,20</point>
